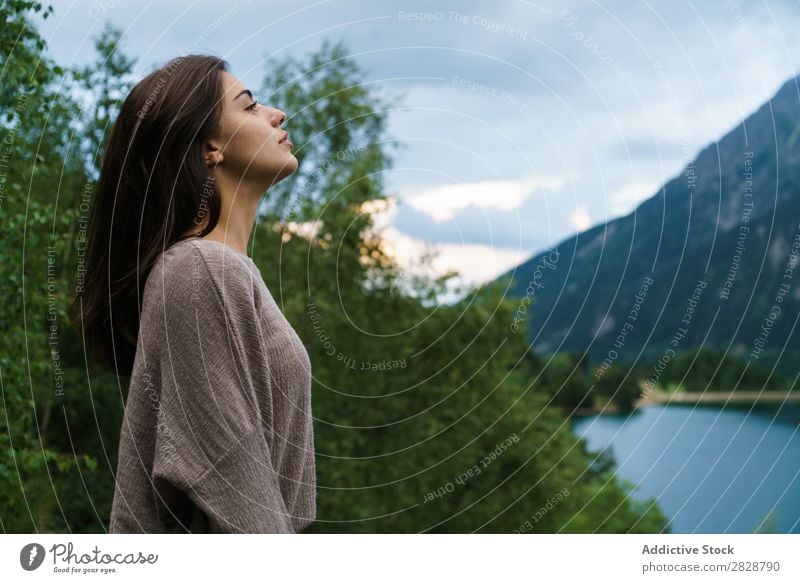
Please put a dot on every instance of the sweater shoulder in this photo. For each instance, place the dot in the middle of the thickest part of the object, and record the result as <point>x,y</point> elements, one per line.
<point>204,269</point>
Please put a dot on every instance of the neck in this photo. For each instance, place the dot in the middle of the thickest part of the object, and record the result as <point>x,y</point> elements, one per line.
<point>237,212</point>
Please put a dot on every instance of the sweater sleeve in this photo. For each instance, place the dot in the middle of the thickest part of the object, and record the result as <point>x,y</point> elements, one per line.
<point>211,453</point>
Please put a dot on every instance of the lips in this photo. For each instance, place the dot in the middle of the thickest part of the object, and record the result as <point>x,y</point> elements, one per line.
<point>285,140</point>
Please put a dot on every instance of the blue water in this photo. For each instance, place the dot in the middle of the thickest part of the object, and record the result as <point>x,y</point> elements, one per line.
<point>710,469</point>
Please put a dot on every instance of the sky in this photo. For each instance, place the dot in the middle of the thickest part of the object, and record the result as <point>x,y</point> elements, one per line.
<point>523,123</point>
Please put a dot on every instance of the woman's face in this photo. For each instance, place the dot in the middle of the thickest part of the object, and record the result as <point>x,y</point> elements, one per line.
<point>250,138</point>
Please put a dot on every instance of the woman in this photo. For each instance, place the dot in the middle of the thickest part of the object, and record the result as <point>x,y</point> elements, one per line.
<point>217,433</point>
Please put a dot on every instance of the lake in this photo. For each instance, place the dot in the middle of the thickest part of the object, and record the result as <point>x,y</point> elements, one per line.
<point>712,469</point>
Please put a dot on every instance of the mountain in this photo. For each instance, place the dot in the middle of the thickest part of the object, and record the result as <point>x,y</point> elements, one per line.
<point>709,260</point>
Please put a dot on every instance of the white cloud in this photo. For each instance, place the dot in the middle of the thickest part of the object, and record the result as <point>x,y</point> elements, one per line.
<point>308,229</point>
<point>580,218</point>
<point>475,263</point>
<point>625,199</point>
<point>442,202</point>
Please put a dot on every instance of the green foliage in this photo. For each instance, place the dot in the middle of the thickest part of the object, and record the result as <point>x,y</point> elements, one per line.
<point>620,385</point>
<point>51,435</point>
<point>704,369</point>
<point>566,380</point>
<point>768,525</point>
<point>108,81</point>
<point>338,126</point>
<point>21,48</point>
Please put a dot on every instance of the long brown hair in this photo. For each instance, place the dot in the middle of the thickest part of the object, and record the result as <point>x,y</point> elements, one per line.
<point>153,187</point>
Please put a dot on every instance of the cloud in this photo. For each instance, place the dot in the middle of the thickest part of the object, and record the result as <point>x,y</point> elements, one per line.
<point>475,263</point>
<point>580,218</point>
<point>442,202</point>
<point>624,200</point>
<point>524,228</point>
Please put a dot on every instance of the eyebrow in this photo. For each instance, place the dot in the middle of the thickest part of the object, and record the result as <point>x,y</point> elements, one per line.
<point>246,91</point>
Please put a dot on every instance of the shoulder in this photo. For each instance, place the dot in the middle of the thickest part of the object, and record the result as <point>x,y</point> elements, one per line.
<point>203,269</point>
<point>210,252</point>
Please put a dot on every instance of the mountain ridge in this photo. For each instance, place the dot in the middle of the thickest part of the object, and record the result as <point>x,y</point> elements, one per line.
<point>727,219</point>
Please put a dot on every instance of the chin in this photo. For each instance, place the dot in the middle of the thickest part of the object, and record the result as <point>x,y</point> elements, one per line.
<point>286,169</point>
<point>289,166</point>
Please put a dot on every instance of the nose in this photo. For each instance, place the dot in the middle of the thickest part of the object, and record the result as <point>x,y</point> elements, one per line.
<point>278,115</point>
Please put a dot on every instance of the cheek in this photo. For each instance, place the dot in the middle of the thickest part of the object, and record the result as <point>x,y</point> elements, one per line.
<point>254,150</point>
<point>251,138</point>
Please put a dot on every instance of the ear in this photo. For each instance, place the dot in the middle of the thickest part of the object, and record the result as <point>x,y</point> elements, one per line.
<point>212,153</point>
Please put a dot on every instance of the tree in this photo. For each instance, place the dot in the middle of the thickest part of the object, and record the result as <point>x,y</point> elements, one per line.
<point>564,378</point>
<point>620,386</point>
<point>32,375</point>
<point>704,369</point>
<point>108,81</point>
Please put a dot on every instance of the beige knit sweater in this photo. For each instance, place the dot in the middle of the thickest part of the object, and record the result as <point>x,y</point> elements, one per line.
<point>217,434</point>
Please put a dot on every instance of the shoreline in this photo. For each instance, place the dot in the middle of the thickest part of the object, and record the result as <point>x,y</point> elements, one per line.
<point>660,397</point>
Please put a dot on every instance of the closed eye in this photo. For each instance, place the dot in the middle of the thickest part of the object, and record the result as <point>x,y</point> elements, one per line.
<point>253,106</point>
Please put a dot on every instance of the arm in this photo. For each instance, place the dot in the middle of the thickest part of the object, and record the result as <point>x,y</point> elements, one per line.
<point>210,440</point>
<point>240,492</point>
